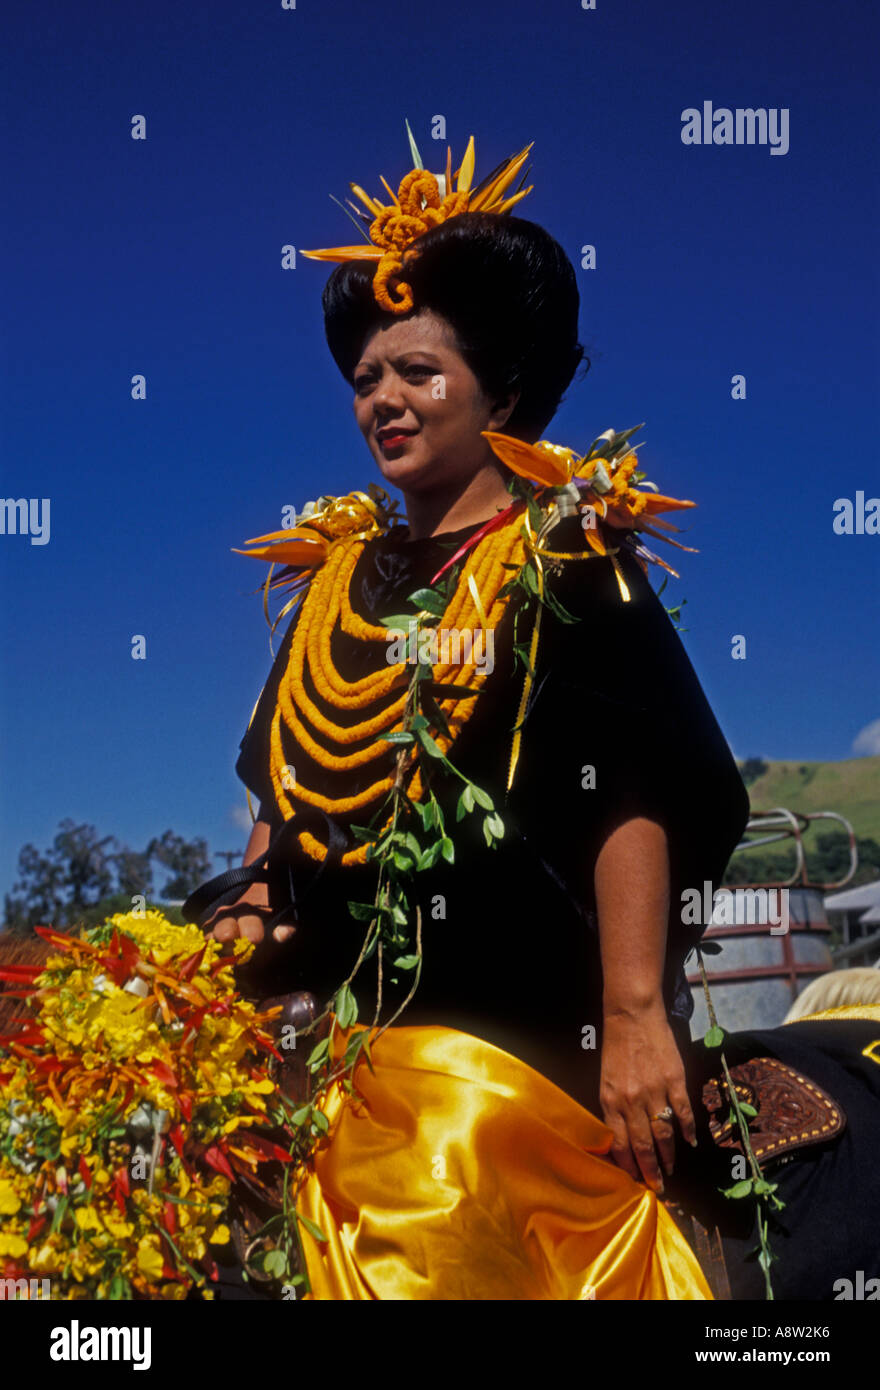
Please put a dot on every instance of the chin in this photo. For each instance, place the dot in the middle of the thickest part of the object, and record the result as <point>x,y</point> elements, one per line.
<point>412,475</point>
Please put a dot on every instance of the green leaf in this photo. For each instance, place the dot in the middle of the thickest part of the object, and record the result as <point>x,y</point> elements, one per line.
<point>401,736</point>
<point>429,745</point>
<point>363,833</point>
<point>399,622</point>
<point>430,856</point>
<point>451,692</point>
<point>714,1037</point>
<point>447,849</point>
<point>528,579</point>
<point>406,962</point>
<point>747,1109</point>
<point>430,601</point>
<point>318,1053</point>
<point>418,721</point>
<point>493,828</point>
<point>320,1121</point>
<point>739,1189</point>
<point>310,1226</point>
<point>300,1115</point>
<point>58,1216</point>
<point>465,802</point>
<point>275,1264</point>
<point>345,1007</point>
<point>363,912</point>
<point>482,798</point>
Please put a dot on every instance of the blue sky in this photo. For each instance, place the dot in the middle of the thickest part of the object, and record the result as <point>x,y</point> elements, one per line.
<point>162,257</point>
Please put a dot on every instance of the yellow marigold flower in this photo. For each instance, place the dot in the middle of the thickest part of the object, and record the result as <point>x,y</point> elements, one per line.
<point>220,1235</point>
<point>70,1144</point>
<point>47,1257</point>
<point>193,1246</point>
<point>149,1260</point>
<point>260,1088</point>
<point>10,1202</point>
<point>12,1245</point>
<point>118,1227</point>
<point>87,1219</point>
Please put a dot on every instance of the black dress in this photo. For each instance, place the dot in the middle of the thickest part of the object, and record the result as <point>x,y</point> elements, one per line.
<point>510,937</point>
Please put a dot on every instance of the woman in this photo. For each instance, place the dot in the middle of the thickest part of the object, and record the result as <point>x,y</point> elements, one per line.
<point>561,943</point>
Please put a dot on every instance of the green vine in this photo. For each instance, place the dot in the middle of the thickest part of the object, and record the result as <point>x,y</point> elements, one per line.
<point>740,1113</point>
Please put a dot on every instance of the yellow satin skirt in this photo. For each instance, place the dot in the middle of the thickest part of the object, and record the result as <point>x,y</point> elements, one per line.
<point>464,1174</point>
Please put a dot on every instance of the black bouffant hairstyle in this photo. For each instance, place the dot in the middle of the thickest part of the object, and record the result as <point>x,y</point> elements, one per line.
<point>507,289</point>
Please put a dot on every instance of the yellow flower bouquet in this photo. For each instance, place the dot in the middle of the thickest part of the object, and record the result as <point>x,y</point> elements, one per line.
<point>131,1100</point>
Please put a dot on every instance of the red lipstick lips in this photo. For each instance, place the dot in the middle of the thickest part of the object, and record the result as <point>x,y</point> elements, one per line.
<point>391,437</point>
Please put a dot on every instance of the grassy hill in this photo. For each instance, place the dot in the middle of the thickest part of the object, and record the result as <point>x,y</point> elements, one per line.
<point>851,787</point>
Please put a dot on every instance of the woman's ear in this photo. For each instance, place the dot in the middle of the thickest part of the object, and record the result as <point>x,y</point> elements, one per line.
<point>502,411</point>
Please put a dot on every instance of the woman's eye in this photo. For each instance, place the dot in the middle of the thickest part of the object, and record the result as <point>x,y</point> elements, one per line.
<point>362,384</point>
<point>418,371</point>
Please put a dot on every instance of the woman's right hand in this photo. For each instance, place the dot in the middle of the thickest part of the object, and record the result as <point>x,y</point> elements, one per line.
<point>246,917</point>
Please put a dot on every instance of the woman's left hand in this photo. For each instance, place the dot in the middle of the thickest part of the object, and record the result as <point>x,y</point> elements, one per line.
<point>642,1076</point>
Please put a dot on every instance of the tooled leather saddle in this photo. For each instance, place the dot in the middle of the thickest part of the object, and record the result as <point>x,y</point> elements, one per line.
<point>792,1112</point>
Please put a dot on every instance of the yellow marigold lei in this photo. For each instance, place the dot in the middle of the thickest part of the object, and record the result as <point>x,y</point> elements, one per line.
<point>326,607</point>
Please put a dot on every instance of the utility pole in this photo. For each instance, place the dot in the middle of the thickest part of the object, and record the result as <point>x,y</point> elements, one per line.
<point>230,855</point>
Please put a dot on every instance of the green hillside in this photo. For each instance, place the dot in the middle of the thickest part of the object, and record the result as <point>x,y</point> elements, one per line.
<point>852,788</point>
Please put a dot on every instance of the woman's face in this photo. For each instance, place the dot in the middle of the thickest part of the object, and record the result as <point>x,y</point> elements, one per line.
<point>420,407</point>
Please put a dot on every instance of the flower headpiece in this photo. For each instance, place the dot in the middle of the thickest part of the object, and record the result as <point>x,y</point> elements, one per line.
<point>423,201</point>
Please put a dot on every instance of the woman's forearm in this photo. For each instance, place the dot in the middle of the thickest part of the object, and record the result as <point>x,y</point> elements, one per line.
<point>259,840</point>
<point>643,1085</point>
<point>631,880</point>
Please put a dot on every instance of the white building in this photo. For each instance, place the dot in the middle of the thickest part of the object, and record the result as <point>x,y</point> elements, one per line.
<point>855,914</point>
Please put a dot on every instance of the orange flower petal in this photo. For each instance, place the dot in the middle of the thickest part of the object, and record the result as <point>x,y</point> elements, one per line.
<point>295,552</point>
<point>656,502</point>
<point>540,465</point>
<point>346,253</point>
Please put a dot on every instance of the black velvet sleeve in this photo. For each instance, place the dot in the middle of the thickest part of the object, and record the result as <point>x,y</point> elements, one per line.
<point>617,701</point>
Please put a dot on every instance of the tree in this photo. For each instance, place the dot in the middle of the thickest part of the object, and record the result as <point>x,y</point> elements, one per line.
<point>134,873</point>
<point>188,860</point>
<point>82,879</point>
<point>751,769</point>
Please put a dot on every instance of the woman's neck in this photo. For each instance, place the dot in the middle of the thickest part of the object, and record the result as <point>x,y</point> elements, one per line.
<point>480,499</point>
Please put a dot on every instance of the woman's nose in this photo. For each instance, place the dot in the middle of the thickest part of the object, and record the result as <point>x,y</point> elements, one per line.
<point>388,396</point>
